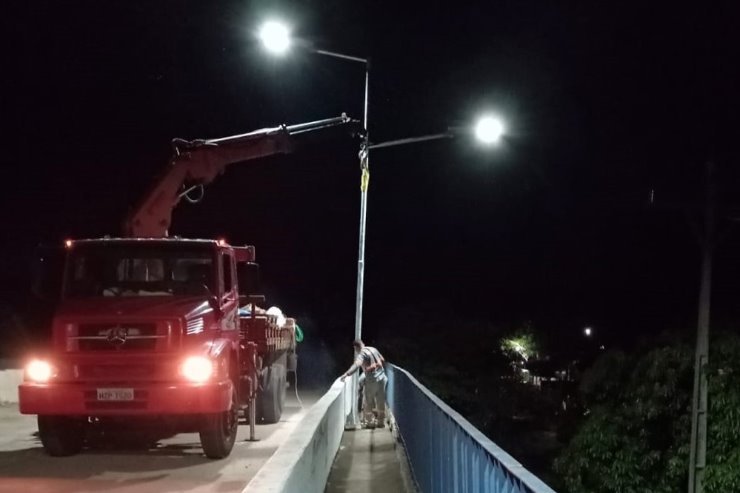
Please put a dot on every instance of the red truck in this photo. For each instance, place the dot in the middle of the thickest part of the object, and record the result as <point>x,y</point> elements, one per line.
<point>162,333</point>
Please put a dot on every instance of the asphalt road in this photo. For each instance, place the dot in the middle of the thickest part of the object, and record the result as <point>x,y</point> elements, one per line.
<point>176,464</point>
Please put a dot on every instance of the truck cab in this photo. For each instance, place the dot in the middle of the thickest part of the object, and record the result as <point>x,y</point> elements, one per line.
<point>149,331</point>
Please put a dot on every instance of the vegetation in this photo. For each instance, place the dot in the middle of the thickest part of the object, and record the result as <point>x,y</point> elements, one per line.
<point>475,367</point>
<point>521,343</point>
<point>635,434</point>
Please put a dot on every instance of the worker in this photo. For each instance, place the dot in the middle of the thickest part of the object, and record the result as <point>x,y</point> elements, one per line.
<point>371,362</point>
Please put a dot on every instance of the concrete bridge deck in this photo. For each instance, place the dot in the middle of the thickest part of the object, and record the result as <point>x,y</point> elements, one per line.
<point>370,461</point>
<point>173,465</point>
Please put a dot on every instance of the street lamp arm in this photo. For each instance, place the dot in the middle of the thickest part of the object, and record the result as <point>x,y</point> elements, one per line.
<point>340,55</point>
<point>412,140</point>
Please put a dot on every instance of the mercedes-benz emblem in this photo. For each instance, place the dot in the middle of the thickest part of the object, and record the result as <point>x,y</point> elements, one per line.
<point>117,335</point>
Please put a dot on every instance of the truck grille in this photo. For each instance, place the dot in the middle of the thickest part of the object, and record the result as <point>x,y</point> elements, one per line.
<point>117,337</point>
<point>115,373</point>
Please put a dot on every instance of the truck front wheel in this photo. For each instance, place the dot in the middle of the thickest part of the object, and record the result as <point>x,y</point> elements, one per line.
<point>218,433</point>
<point>61,435</point>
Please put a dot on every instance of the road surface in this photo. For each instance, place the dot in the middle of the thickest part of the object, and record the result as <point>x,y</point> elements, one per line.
<point>176,464</point>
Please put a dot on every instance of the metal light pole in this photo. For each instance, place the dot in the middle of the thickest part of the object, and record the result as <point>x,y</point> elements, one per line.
<point>276,38</point>
<point>364,184</point>
<point>353,420</point>
<point>699,408</point>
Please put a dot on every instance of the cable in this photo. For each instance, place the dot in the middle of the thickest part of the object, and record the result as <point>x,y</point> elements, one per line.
<point>298,334</point>
<point>295,385</point>
<point>193,200</point>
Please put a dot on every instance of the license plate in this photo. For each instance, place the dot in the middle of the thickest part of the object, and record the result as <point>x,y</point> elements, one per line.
<point>115,394</point>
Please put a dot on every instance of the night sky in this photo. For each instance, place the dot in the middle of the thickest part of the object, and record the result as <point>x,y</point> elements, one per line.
<point>604,102</point>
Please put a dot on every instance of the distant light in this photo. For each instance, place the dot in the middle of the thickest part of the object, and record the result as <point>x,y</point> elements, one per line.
<point>68,243</point>
<point>275,36</point>
<point>221,242</point>
<point>588,331</point>
<point>489,130</point>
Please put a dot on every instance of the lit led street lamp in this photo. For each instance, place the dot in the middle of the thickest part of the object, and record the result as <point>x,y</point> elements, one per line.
<point>489,130</point>
<point>275,37</point>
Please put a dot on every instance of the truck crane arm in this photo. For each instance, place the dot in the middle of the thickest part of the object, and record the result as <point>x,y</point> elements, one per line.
<point>198,162</point>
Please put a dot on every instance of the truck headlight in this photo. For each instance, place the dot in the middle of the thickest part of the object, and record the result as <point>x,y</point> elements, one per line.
<point>39,371</point>
<point>197,369</point>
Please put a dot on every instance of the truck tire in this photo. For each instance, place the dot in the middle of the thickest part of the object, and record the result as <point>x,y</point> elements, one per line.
<point>218,433</point>
<point>271,399</point>
<point>61,435</point>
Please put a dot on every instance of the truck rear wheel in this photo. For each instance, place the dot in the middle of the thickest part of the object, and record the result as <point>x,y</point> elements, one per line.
<point>218,433</point>
<point>61,435</point>
<point>271,399</point>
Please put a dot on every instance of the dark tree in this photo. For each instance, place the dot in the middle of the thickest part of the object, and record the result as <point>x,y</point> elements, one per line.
<point>635,434</point>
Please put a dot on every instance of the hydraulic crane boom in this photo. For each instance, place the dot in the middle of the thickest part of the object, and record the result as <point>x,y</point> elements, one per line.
<point>198,162</point>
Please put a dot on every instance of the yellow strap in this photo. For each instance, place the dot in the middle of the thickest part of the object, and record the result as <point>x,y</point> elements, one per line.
<point>365,179</point>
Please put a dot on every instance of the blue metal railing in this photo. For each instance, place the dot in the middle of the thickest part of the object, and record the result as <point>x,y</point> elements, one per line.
<point>446,453</point>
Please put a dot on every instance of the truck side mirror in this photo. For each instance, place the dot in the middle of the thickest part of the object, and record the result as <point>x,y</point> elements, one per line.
<point>47,273</point>
<point>214,304</point>
<point>248,277</point>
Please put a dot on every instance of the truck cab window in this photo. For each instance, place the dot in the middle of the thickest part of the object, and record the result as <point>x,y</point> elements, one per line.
<point>140,270</point>
<point>228,278</point>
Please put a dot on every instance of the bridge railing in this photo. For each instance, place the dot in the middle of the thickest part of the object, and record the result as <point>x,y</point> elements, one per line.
<point>446,453</point>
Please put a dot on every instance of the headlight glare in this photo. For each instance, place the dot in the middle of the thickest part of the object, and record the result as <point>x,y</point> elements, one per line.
<point>197,369</point>
<point>39,371</point>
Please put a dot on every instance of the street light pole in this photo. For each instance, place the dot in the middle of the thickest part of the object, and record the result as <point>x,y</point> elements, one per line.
<point>699,407</point>
<point>276,38</point>
<point>364,184</point>
<point>353,420</point>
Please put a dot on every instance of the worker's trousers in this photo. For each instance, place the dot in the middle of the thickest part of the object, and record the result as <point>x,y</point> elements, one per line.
<point>374,398</point>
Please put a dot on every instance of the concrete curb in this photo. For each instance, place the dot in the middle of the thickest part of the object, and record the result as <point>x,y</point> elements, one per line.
<point>303,462</point>
<point>9,382</point>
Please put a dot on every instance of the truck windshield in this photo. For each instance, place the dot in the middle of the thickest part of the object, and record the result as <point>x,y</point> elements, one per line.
<point>139,269</point>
